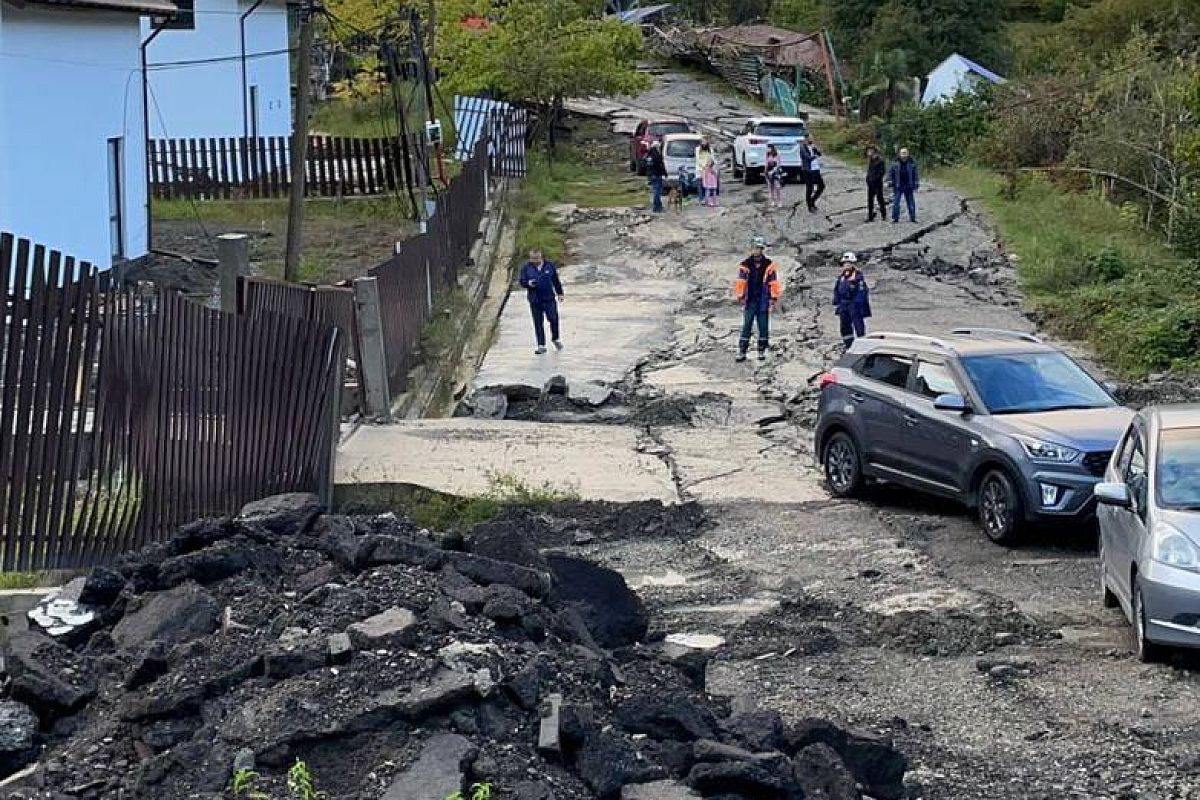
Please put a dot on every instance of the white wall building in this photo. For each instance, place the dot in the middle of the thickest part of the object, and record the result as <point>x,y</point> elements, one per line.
<point>196,70</point>
<point>72,147</point>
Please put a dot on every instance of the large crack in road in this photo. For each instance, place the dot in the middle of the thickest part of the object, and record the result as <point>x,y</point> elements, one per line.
<point>997,671</point>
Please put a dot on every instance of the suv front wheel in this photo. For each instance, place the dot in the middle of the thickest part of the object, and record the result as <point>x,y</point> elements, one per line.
<point>1000,510</point>
<point>843,466</point>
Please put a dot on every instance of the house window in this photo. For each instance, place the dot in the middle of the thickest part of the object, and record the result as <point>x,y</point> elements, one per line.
<point>116,198</point>
<point>185,20</point>
<point>253,112</point>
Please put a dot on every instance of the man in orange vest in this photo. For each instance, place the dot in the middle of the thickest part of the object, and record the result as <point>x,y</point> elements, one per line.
<point>758,289</point>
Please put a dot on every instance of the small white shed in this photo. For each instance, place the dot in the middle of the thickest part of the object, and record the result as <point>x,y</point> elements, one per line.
<point>956,74</point>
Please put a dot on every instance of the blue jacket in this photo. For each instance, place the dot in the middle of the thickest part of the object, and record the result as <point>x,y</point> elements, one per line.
<point>542,286</point>
<point>852,296</point>
<point>903,175</point>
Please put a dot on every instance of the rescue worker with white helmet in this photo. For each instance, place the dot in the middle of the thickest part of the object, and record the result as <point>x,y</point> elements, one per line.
<point>852,298</point>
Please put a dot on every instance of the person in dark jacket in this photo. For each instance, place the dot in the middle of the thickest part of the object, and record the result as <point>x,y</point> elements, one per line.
<point>853,300</point>
<point>876,170</point>
<point>758,289</point>
<point>539,278</point>
<point>814,186</point>
<point>905,182</point>
<point>656,172</point>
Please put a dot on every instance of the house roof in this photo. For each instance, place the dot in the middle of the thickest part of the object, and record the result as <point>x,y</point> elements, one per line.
<point>776,46</point>
<point>964,63</point>
<point>132,6</point>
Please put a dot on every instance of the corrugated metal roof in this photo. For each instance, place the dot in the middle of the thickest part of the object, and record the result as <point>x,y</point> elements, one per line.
<point>158,7</point>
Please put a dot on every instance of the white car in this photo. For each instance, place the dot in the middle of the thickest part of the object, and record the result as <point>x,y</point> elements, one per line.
<point>750,148</point>
<point>679,152</point>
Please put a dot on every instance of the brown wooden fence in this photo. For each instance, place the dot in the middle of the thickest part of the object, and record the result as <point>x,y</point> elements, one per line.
<point>427,265</point>
<point>324,305</point>
<point>125,414</point>
<point>238,168</point>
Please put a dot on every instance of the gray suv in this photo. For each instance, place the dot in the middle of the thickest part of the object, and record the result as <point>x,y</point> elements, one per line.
<point>998,420</point>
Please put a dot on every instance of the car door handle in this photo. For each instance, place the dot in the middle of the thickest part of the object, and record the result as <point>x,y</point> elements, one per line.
<point>858,397</point>
<point>910,420</point>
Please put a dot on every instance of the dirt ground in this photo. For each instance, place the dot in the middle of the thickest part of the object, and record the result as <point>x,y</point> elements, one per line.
<point>341,240</point>
<point>997,671</point>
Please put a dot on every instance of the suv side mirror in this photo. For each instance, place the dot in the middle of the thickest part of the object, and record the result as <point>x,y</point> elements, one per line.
<point>1113,494</point>
<point>952,402</point>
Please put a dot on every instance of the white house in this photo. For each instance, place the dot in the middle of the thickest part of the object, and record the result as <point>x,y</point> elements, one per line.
<point>72,146</point>
<point>220,68</point>
<point>955,74</point>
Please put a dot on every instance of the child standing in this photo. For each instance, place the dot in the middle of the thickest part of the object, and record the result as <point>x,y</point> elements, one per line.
<point>774,173</point>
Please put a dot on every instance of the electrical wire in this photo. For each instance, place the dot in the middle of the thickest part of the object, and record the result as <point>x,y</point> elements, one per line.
<point>166,135</point>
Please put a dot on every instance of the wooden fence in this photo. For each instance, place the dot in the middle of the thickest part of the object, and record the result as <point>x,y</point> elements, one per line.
<point>126,414</point>
<point>240,168</point>
<point>427,265</point>
<point>323,305</point>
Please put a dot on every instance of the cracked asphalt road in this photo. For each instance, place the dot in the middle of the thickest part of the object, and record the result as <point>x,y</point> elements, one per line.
<point>997,671</point>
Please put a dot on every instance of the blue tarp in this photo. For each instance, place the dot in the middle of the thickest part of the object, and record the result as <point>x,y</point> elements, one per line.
<point>956,74</point>
<point>636,16</point>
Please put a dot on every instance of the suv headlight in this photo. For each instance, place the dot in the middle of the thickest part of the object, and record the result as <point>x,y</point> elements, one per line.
<point>1174,549</point>
<point>1047,452</point>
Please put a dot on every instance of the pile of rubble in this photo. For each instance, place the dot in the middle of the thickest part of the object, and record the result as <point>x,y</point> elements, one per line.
<point>395,663</point>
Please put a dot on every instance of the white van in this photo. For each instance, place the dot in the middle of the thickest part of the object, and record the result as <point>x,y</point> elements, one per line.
<point>679,151</point>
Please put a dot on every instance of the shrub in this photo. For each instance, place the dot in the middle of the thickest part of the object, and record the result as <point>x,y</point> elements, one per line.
<point>1108,265</point>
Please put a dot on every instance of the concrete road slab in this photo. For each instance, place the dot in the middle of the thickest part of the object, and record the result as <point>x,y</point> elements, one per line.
<point>462,456</point>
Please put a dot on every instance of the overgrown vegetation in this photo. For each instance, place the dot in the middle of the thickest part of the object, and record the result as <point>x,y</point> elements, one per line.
<point>586,176</point>
<point>444,512</point>
<point>479,791</point>
<point>301,784</point>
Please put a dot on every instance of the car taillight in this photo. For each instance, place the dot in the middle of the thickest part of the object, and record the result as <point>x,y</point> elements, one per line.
<point>757,140</point>
<point>826,379</point>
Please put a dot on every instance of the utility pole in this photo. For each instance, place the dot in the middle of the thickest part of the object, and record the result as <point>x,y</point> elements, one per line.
<point>426,177</point>
<point>422,59</point>
<point>291,264</point>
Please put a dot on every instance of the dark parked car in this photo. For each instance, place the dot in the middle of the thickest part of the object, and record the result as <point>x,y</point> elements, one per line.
<point>998,420</point>
<point>649,131</point>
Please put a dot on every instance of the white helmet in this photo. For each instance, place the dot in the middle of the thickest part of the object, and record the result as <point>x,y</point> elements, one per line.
<point>758,241</point>
<point>849,258</point>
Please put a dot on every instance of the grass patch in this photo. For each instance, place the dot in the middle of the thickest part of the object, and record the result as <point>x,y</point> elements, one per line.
<point>375,117</point>
<point>443,512</point>
<point>22,580</point>
<point>584,176</point>
<point>1093,273</point>
<point>251,212</point>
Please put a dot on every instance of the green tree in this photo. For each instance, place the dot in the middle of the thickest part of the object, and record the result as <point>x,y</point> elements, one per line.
<point>805,16</point>
<point>537,52</point>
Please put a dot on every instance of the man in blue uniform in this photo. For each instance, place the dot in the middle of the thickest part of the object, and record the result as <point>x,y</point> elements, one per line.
<point>852,298</point>
<point>539,278</point>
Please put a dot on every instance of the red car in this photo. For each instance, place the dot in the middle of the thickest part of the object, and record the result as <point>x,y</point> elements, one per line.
<point>648,131</point>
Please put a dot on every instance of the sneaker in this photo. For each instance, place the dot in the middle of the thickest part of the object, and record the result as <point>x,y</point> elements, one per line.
<point>558,345</point>
<point>740,357</point>
<point>539,350</point>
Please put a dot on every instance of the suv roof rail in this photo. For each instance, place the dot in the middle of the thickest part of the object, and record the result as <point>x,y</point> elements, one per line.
<point>912,337</point>
<point>997,333</point>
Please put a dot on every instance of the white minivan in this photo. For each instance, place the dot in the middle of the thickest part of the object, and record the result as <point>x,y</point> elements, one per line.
<point>679,152</point>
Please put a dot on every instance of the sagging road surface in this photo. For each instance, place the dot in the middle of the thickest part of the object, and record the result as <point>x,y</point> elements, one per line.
<point>996,671</point>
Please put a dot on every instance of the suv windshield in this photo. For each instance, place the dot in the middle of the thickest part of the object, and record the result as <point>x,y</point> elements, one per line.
<point>1178,475</point>
<point>663,128</point>
<point>1018,383</point>
<point>682,148</point>
<point>781,129</point>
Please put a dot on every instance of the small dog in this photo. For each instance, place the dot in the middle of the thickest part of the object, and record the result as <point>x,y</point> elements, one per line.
<point>675,199</point>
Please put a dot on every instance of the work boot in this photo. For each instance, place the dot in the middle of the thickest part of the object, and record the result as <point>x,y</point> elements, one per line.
<point>558,345</point>
<point>741,356</point>
<point>540,349</point>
